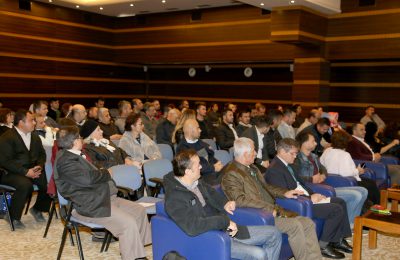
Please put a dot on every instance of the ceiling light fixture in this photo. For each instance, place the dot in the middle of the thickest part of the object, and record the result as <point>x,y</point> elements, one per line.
<point>77,6</point>
<point>131,5</point>
<point>262,4</point>
<point>292,1</point>
<point>50,1</point>
<point>101,8</point>
<point>163,1</point>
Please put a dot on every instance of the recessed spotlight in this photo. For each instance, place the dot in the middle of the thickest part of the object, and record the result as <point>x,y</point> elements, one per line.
<point>163,1</point>
<point>262,4</point>
<point>50,1</point>
<point>292,1</point>
<point>131,5</point>
<point>101,8</point>
<point>77,6</point>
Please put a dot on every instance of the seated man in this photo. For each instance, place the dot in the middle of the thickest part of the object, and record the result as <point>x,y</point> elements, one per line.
<point>197,208</point>
<point>149,120</point>
<point>110,130</point>
<point>272,137</point>
<point>285,128</point>
<point>371,116</point>
<point>23,157</point>
<point>94,195</point>
<point>243,122</point>
<point>226,133</point>
<point>166,127</point>
<point>243,183</point>
<point>318,131</point>
<point>332,210</point>
<point>210,166</point>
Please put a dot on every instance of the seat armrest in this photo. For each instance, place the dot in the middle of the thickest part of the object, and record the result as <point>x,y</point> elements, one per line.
<point>323,189</point>
<point>337,181</point>
<point>301,205</point>
<point>252,217</point>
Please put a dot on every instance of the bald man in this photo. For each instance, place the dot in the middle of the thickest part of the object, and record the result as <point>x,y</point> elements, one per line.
<point>78,114</point>
<point>210,166</point>
<point>166,127</point>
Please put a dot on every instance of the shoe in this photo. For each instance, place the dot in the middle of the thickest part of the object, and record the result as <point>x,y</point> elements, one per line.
<point>17,223</point>
<point>37,215</point>
<point>97,238</point>
<point>329,252</point>
<point>342,246</point>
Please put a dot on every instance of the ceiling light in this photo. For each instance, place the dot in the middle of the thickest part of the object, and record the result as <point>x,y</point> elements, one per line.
<point>131,5</point>
<point>163,1</point>
<point>292,1</point>
<point>262,4</point>
<point>77,6</point>
<point>50,1</point>
<point>101,8</point>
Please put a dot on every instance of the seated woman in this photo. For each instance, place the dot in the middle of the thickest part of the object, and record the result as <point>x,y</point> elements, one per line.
<point>309,167</point>
<point>94,195</point>
<point>136,143</point>
<point>378,146</point>
<point>102,152</point>
<point>6,119</point>
<point>337,160</point>
<point>177,135</point>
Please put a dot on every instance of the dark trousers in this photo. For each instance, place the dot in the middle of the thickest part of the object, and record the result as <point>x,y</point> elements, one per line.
<point>23,189</point>
<point>374,194</point>
<point>336,226</point>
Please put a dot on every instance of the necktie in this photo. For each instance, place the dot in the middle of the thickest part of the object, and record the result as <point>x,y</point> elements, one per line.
<point>291,172</point>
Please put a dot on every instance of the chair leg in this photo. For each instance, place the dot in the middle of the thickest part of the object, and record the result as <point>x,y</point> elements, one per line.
<point>78,241</point>
<point>28,204</point>
<point>104,241</point>
<point>4,195</point>
<point>108,242</point>
<point>51,213</point>
<point>71,237</point>
<point>63,238</point>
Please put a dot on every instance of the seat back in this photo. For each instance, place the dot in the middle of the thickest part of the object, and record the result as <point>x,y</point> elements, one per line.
<point>380,173</point>
<point>127,176</point>
<point>166,151</point>
<point>211,143</point>
<point>156,169</point>
<point>223,156</point>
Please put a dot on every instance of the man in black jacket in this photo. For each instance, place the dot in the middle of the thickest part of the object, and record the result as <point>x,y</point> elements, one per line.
<point>166,127</point>
<point>333,210</point>
<point>94,196</point>
<point>23,157</point>
<point>226,133</point>
<point>197,208</point>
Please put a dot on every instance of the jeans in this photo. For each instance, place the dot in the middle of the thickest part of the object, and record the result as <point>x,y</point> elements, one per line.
<point>268,237</point>
<point>354,196</point>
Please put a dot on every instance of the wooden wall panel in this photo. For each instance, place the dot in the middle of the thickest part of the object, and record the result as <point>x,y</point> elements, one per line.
<point>365,95</point>
<point>353,5</point>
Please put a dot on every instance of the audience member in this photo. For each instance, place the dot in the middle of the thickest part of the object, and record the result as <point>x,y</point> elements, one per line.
<point>285,128</point>
<point>137,105</point>
<point>213,119</point>
<point>78,114</point>
<point>6,120</point>
<point>110,130</point>
<point>149,120</point>
<point>318,130</point>
<point>94,195</point>
<point>312,119</point>
<point>93,113</point>
<point>54,111</point>
<point>100,103</point>
<point>371,116</point>
<point>309,167</point>
<point>257,133</point>
<point>184,105</point>
<point>166,127</point>
<point>243,182</point>
<point>136,143</point>
<point>226,133</point>
<point>177,135</point>
<point>23,157</point>
<point>261,110</point>
<point>243,122</point>
<point>201,113</point>
<point>210,166</point>
<point>157,106</point>
<point>40,108</point>
<point>376,144</point>
<point>208,211</point>
<point>337,160</point>
<point>299,118</point>
<point>124,108</point>
<point>273,136</point>
<point>66,109</point>
<point>333,210</point>
<point>46,134</point>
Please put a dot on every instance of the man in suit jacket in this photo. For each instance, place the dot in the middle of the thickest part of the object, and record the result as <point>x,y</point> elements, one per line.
<point>273,136</point>
<point>226,133</point>
<point>23,157</point>
<point>337,225</point>
<point>94,196</point>
<point>257,133</point>
<point>243,122</point>
<point>358,148</point>
<point>242,182</point>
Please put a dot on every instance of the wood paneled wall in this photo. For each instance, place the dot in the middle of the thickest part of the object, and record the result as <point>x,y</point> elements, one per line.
<point>343,62</point>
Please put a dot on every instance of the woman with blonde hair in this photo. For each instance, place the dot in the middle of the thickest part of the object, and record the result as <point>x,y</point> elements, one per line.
<point>177,135</point>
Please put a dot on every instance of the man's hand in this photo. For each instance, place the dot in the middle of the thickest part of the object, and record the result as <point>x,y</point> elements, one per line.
<point>292,194</point>
<point>377,157</point>
<point>230,207</point>
<point>316,197</point>
<point>233,227</point>
<point>34,172</point>
<point>218,166</point>
<point>265,164</point>
<point>318,178</point>
<point>360,169</point>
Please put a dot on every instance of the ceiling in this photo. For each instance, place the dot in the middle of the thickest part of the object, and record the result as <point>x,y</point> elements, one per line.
<point>123,8</point>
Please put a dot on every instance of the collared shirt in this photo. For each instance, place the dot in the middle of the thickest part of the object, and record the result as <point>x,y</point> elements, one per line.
<point>77,152</point>
<point>299,186</point>
<point>25,137</point>
<point>195,189</point>
<point>246,125</point>
<point>260,137</point>
<point>366,145</point>
<point>233,130</point>
<point>191,141</point>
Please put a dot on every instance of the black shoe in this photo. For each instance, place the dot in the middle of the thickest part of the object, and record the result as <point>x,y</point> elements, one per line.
<point>329,252</point>
<point>342,246</point>
<point>37,215</point>
<point>96,238</point>
<point>17,223</point>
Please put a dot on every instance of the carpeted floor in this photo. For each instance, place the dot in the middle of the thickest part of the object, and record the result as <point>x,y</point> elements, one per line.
<point>30,244</point>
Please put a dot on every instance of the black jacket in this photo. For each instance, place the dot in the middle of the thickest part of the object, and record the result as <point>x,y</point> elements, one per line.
<point>225,136</point>
<point>251,133</point>
<point>164,132</point>
<point>85,185</point>
<point>272,139</point>
<point>184,207</point>
<point>15,157</point>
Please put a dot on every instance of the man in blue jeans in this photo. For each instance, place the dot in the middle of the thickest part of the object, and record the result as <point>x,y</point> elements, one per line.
<point>197,208</point>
